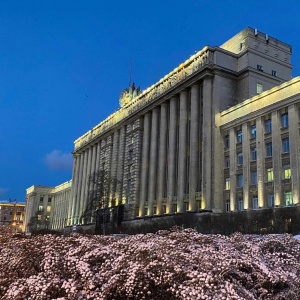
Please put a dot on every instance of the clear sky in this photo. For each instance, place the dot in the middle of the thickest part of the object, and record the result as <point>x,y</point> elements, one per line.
<point>65,63</point>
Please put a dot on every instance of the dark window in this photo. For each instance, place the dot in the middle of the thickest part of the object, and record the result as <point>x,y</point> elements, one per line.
<point>269,149</point>
<point>274,73</point>
<point>239,136</point>
<point>240,180</point>
<point>259,68</point>
<point>240,158</point>
<point>254,177</point>
<point>226,141</point>
<point>253,131</point>
<point>286,145</point>
<point>268,126</point>
<point>284,120</point>
<point>271,202</point>
<point>253,154</point>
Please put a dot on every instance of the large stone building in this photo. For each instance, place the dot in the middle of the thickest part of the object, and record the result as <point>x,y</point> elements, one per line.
<point>219,133</point>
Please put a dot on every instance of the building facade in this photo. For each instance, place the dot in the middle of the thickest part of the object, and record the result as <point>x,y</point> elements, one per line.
<point>198,139</point>
<point>11,217</point>
<point>47,207</point>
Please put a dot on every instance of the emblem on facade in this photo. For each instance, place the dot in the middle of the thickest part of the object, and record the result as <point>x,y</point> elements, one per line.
<point>128,94</point>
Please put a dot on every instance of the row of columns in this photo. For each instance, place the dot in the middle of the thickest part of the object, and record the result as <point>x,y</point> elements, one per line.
<point>171,152</point>
<point>277,164</point>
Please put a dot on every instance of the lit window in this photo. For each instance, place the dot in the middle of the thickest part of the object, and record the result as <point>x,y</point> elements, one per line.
<point>240,180</point>
<point>39,217</point>
<point>259,88</point>
<point>239,136</point>
<point>253,131</point>
<point>271,202</point>
<point>268,126</point>
<point>288,197</point>
<point>284,120</point>
<point>270,174</point>
<point>287,171</point>
<point>41,207</point>
<point>269,149</point>
<point>227,183</point>
<point>241,204</point>
<point>286,145</point>
<point>240,158</point>
<point>254,177</point>
<point>255,202</point>
<point>253,154</point>
<point>48,208</point>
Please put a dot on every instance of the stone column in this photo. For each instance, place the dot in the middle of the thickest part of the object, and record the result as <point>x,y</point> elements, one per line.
<point>260,155</point>
<point>153,161</point>
<point>114,163</point>
<point>145,164</point>
<point>207,143</point>
<point>161,173</point>
<point>83,182</point>
<point>182,157</point>
<point>232,170</point>
<point>294,150</point>
<point>79,188</point>
<point>194,145</point>
<point>120,170</point>
<point>74,187</point>
<point>277,165</point>
<point>246,166</point>
<point>172,153</point>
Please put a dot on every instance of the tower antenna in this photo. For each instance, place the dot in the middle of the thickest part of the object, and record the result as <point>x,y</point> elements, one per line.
<point>130,73</point>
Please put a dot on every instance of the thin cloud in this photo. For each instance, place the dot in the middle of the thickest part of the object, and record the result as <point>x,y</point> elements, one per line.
<point>3,191</point>
<point>59,161</point>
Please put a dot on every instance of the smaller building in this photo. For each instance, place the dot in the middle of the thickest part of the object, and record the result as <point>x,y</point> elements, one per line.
<point>47,207</point>
<point>11,217</point>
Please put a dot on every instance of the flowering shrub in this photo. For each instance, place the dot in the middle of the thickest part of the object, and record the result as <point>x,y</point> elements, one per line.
<point>166,265</point>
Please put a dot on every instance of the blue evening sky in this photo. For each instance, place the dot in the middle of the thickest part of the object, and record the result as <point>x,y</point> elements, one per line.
<point>65,63</point>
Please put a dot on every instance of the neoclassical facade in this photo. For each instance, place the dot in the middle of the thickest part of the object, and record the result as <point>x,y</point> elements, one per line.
<point>197,139</point>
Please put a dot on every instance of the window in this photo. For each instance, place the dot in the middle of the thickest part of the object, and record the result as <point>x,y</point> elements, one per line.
<point>41,199</point>
<point>255,202</point>
<point>271,202</point>
<point>41,207</point>
<point>254,177</point>
<point>164,208</point>
<point>240,158</point>
<point>259,67</point>
<point>270,174</point>
<point>274,73</point>
<point>130,154</point>
<point>240,180</point>
<point>39,217</point>
<point>227,183</point>
<point>284,120</point>
<point>268,126</point>
<point>253,131</point>
<point>226,162</point>
<point>286,145</point>
<point>186,206</point>
<point>49,200</point>
<point>154,211</point>
<point>227,206</point>
<point>269,149</point>
<point>287,171</point>
<point>48,208</point>
<point>259,88</point>
<point>131,140</point>
<point>253,154</point>
<point>226,141</point>
<point>239,136</point>
<point>174,208</point>
<point>240,204</point>
<point>288,197</point>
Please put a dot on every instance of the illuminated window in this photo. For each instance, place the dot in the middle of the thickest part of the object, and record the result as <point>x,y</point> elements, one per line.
<point>253,131</point>
<point>288,197</point>
<point>269,149</point>
<point>241,204</point>
<point>286,145</point>
<point>268,126</point>
<point>132,140</point>
<point>39,217</point>
<point>287,171</point>
<point>253,154</point>
<point>240,158</point>
<point>240,180</point>
<point>271,202</point>
<point>255,202</point>
<point>254,177</point>
<point>259,88</point>
<point>284,120</point>
<point>48,208</point>
<point>227,183</point>
<point>239,136</point>
<point>270,174</point>
<point>41,208</point>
